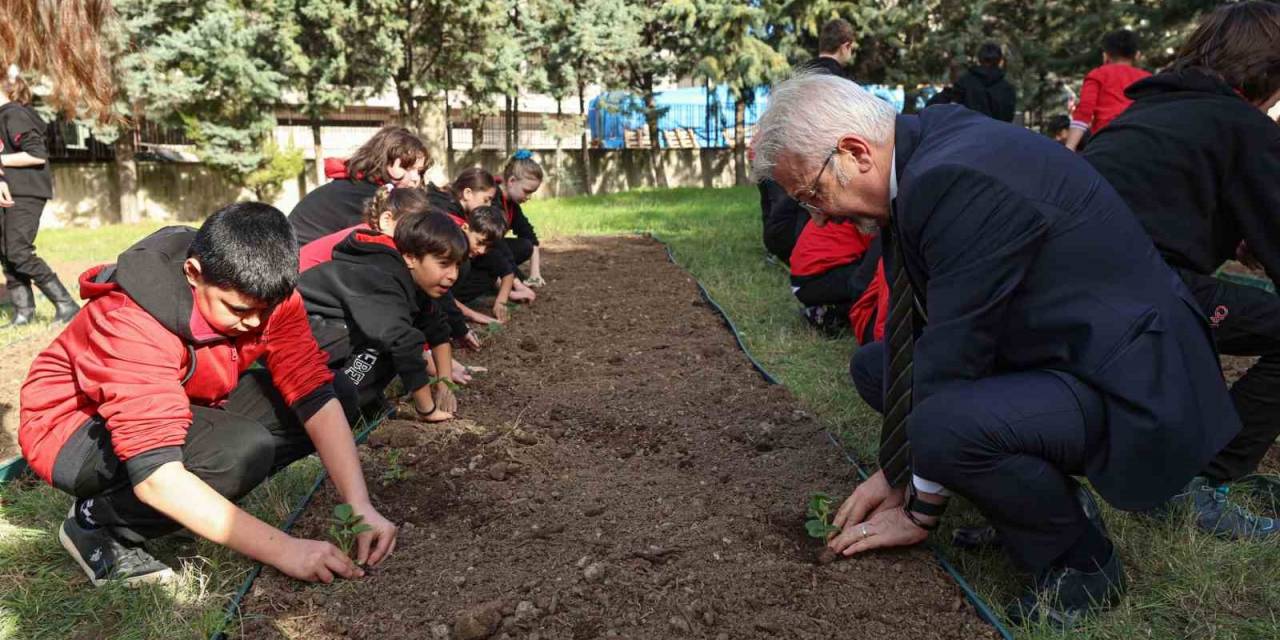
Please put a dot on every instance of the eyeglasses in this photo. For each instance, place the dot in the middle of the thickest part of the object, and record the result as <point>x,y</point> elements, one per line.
<point>812,192</point>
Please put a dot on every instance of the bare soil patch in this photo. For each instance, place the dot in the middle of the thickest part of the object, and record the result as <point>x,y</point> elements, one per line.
<point>621,471</point>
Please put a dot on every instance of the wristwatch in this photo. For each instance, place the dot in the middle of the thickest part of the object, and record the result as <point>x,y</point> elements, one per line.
<point>916,505</point>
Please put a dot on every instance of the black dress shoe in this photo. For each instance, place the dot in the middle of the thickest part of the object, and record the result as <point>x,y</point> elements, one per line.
<point>1062,597</point>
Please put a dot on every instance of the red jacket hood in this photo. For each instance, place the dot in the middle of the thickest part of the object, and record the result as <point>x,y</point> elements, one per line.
<point>335,168</point>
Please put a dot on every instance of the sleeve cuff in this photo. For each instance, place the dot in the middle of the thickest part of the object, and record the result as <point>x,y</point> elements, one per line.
<point>308,405</point>
<point>1076,124</point>
<point>141,466</point>
<point>929,486</point>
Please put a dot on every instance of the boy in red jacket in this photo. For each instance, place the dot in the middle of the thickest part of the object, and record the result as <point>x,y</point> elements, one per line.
<point>144,408</point>
<point>1102,95</point>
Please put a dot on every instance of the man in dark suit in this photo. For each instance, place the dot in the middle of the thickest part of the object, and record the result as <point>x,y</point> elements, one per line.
<point>1034,335</point>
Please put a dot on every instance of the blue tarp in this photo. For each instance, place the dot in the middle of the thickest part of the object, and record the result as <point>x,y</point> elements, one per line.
<point>710,117</point>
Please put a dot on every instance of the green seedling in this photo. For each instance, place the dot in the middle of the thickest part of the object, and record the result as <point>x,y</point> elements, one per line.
<point>819,523</point>
<point>448,382</point>
<point>395,472</point>
<point>345,526</point>
<point>492,329</point>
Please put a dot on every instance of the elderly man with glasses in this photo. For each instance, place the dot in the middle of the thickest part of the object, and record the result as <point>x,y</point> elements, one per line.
<point>1034,335</point>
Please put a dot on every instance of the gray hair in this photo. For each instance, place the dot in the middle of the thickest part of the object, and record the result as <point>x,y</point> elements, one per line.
<point>809,113</point>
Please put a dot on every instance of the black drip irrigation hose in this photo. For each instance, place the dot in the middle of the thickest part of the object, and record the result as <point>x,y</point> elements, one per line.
<point>233,608</point>
<point>984,610</point>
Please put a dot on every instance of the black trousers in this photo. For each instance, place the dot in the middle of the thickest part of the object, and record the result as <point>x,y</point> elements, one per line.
<point>1009,444</point>
<point>18,227</point>
<point>1245,322</point>
<point>481,279</point>
<point>360,366</point>
<point>233,448</point>
<point>831,287</point>
<point>519,250</point>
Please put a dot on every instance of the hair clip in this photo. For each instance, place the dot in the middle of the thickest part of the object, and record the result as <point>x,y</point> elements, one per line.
<point>522,154</point>
<point>13,72</point>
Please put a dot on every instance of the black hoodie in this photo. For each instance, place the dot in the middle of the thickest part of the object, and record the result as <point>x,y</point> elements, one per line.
<point>330,208</point>
<point>1199,166</point>
<point>985,90</point>
<point>21,129</point>
<point>368,287</point>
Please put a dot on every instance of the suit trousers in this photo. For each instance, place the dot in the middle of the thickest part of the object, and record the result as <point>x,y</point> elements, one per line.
<point>1010,444</point>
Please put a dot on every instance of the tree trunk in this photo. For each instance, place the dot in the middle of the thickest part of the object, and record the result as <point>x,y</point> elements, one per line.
<point>126,148</point>
<point>740,141</point>
<point>448,139</point>
<point>515,122</point>
<point>317,143</point>
<point>586,146</point>
<point>559,143</point>
<point>506,124</point>
<point>655,147</point>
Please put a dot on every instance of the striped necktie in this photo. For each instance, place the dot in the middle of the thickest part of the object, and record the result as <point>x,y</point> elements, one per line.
<point>895,449</point>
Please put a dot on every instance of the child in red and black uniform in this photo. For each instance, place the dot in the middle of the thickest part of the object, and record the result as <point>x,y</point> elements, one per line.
<point>145,408</point>
<point>831,267</point>
<point>25,186</point>
<point>1102,96</point>
<point>380,215</point>
<point>375,306</point>
<point>490,274</point>
<point>392,156</point>
<point>521,178</point>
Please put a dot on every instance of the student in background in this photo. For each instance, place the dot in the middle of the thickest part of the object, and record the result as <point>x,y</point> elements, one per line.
<point>375,306</point>
<point>1102,96</point>
<point>984,87</point>
<point>25,186</point>
<point>1058,128</point>
<point>492,273</point>
<point>831,267</point>
<point>521,178</point>
<point>146,409</point>
<point>1197,159</point>
<point>392,156</point>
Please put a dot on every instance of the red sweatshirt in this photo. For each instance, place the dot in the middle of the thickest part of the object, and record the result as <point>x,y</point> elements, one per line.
<point>873,304</point>
<point>320,250</point>
<point>1102,95</point>
<point>821,249</point>
<point>125,356</point>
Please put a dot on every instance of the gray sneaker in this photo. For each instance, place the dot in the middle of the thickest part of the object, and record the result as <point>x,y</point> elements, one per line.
<point>1216,514</point>
<point>105,559</point>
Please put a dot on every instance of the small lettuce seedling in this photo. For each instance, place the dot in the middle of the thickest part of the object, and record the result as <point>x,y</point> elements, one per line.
<point>819,523</point>
<point>448,382</point>
<point>345,526</point>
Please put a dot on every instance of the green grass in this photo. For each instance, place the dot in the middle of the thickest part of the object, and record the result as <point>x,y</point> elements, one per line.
<point>1183,585</point>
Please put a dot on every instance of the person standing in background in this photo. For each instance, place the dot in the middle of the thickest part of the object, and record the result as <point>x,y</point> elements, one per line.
<point>28,186</point>
<point>985,89</point>
<point>1102,96</point>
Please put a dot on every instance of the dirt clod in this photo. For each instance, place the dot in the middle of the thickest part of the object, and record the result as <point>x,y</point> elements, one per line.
<point>498,471</point>
<point>479,622</point>
<point>524,437</point>
<point>595,572</point>
<point>826,556</point>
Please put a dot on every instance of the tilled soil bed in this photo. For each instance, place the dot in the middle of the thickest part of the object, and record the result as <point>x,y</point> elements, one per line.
<point>621,471</point>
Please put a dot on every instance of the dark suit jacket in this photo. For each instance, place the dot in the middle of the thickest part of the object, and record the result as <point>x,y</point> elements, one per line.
<point>1026,259</point>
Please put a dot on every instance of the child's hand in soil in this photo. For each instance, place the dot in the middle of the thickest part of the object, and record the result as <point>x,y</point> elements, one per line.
<point>316,561</point>
<point>375,545</point>
<point>461,373</point>
<point>471,341</point>
<point>500,313</point>
<point>445,399</point>
<point>535,280</point>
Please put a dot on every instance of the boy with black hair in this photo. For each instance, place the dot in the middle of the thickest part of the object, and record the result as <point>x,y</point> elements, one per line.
<point>1102,96</point>
<point>144,408</point>
<point>1196,158</point>
<point>376,306</point>
<point>835,49</point>
<point>984,87</point>
<point>1058,127</point>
